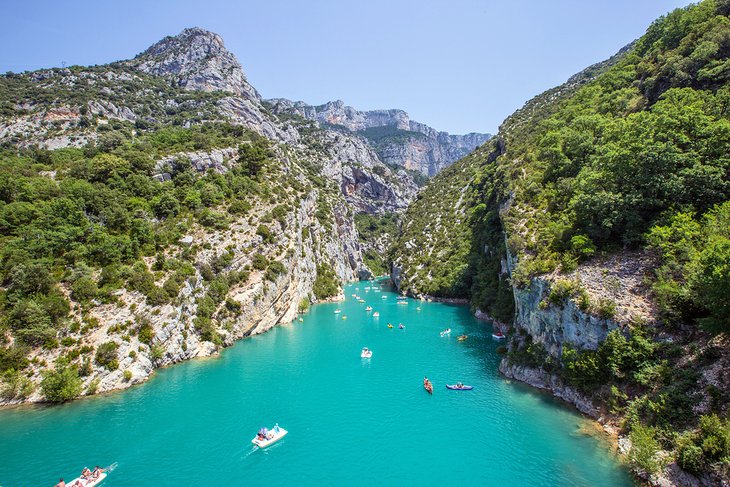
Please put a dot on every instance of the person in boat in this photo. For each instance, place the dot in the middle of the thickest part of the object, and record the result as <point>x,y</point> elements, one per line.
<point>86,473</point>
<point>97,472</point>
<point>60,483</point>
<point>459,385</point>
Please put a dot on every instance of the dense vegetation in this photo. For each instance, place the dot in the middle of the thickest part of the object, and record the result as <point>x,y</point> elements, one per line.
<point>619,160</point>
<point>82,219</point>
<point>460,252</point>
<point>632,154</point>
<point>375,232</point>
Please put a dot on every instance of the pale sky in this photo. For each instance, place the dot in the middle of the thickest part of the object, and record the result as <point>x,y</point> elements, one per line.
<point>457,65</point>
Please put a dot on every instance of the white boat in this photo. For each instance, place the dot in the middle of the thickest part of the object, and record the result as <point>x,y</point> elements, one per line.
<point>447,331</point>
<point>402,302</point>
<point>366,353</point>
<point>337,311</point>
<point>87,483</point>
<point>376,314</point>
<point>385,297</point>
<point>269,436</point>
<point>369,308</point>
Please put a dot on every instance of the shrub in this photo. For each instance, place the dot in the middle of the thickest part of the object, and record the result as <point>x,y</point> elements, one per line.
<point>265,233</point>
<point>326,284</point>
<point>106,355</point>
<point>303,304</point>
<point>61,385</point>
<point>606,308</point>
<point>714,437</point>
<point>275,269</point>
<point>561,291</point>
<point>145,332</point>
<point>690,457</point>
<point>84,288</point>
<point>644,448</point>
<point>16,385</point>
<point>259,261</point>
<point>127,375</point>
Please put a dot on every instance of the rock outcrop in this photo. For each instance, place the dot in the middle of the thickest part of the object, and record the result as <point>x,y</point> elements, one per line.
<point>196,60</point>
<point>398,140</point>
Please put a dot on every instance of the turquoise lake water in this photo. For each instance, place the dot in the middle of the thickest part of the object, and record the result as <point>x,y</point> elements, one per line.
<point>351,421</point>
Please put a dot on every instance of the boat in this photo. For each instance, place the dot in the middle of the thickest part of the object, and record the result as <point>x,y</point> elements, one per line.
<point>267,437</point>
<point>301,320</point>
<point>384,297</point>
<point>369,308</point>
<point>402,298</point>
<point>427,385</point>
<point>390,326</point>
<point>402,302</point>
<point>461,338</point>
<point>360,300</point>
<point>354,295</point>
<point>401,326</point>
<point>459,387</point>
<point>337,311</point>
<point>376,314</point>
<point>344,317</point>
<point>366,353</point>
<point>418,308</point>
<point>90,482</point>
<point>447,331</point>
<point>498,335</point>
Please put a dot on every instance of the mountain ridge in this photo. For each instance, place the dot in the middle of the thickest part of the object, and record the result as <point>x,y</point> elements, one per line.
<point>409,144</point>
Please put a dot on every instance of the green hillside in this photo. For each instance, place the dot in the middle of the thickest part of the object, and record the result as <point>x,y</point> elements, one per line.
<point>631,156</point>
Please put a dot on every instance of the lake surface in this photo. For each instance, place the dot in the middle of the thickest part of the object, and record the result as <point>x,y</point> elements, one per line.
<point>351,421</point>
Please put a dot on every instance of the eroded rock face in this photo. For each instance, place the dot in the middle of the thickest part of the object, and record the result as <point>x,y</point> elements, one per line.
<point>196,60</point>
<point>554,325</point>
<point>411,145</point>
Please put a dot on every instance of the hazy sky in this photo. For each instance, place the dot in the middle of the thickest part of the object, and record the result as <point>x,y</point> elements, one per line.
<point>457,65</point>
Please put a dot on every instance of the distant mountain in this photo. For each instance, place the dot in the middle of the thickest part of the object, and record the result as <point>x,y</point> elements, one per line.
<point>398,140</point>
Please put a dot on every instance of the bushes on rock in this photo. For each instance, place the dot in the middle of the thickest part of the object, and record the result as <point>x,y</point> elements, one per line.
<point>62,384</point>
<point>106,355</point>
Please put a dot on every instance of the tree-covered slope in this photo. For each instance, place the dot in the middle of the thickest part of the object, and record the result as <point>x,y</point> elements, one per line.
<point>611,192</point>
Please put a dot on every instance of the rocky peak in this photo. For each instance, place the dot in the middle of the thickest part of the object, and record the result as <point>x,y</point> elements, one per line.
<point>196,59</point>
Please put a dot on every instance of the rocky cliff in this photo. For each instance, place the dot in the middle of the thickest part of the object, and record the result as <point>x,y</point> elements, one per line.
<point>227,219</point>
<point>398,140</point>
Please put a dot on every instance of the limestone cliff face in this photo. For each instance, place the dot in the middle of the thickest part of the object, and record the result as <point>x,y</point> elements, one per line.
<point>368,184</point>
<point>322,176</point>
<point>196,60</point>
<point>398,140</point>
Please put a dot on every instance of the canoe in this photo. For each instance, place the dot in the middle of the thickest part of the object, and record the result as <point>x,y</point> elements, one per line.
<point>428,386</point>
<point>497,336</point>
<point>461,338</point>
<point>453,387</point>
<point>274,434</point>
<point>89,483</point>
